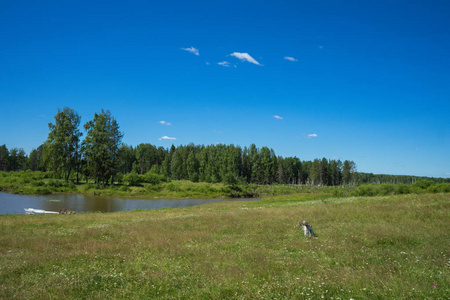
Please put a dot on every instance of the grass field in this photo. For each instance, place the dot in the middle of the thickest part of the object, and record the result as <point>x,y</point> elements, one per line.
<point>391,247</point>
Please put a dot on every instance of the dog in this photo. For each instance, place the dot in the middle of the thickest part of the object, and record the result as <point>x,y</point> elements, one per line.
<point>307,229</point>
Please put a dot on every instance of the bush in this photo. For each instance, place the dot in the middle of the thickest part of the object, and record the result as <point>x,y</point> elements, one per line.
<point>124,188</point>
<point>87,187</point>
<point>172,187</point>
<point>152,178</point>
<point>37,183</point>
<point>99,186</point>
<point>386,189</point>
<point>119,178</point>
<point>364,190</point>
<point>43,191</point>
<point>423,184</point>
<point>439,188</point>
<point>55,183</point>
<point>402,189</point>
<point>194,177</point>
<point>132,179</point>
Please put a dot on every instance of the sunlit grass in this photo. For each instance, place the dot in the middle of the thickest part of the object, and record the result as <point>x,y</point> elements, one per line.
<point>379,247</point>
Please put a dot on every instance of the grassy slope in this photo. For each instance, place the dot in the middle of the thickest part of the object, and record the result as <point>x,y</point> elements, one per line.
<point>380,247</point>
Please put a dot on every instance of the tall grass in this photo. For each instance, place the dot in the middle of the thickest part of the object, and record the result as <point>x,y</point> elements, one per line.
<point>392,247</point>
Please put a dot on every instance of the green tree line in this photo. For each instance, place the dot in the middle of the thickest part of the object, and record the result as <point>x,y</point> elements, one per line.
<point>101,156</point>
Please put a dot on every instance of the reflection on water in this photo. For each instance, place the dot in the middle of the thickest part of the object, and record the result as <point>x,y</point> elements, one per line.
<point>15,204</point>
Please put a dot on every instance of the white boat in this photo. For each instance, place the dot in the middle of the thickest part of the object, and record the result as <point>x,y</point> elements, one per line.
<point>32,211</point>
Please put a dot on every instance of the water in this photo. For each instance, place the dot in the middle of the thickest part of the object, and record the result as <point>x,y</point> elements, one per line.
<point>15,204</point>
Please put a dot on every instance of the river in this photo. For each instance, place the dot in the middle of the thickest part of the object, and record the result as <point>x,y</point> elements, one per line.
<point>15,204</point>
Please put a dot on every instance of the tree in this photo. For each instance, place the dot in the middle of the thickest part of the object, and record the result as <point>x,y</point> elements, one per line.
<point>101,146</point>
<point>348,170</point>
<point>17,160</point>
<point>126,159</point>
<point>192,166</point>
<point>178,166</point>
<point>36,159</point>
<point>63,142</point>
<point>4,158</point>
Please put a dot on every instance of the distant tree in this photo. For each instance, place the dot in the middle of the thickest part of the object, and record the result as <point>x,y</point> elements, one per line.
<point>126,159</point>
<point>192,166</point>
<point>4,158</point>
<point>101,146</point>
<point>165,168</point>
<point>17,160</point>
<point>315,172</point>
<point>323,171</point>
<point>63,142</point>
<point>178,166</point>
<point>37,159</point>
<point>348,169</point>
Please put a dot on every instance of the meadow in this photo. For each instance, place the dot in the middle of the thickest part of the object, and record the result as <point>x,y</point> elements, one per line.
<point>379,247</point>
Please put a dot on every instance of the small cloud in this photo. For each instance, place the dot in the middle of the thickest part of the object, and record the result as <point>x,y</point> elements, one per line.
<point>448,173</point>
<point>192,50</point>
<point>165,123</point>
<point>311,135</point>
<point>224,63</point>
<point>207,63</point>
<point>320,47</point>
<point>278,117</point>
<point>290,58</point>
<point>245,57</point>
<point>166,138</point>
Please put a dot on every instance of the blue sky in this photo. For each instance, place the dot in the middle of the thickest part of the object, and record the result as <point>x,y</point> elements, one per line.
<point>366,81</point>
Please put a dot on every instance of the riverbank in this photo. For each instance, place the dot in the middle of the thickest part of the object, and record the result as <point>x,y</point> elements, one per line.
<point>43,183</point>
<point>367,248</point>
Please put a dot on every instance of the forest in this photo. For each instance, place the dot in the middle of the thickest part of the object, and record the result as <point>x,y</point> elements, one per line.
<point>103,158</point>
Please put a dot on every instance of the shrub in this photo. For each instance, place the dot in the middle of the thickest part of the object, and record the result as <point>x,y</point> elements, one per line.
<point>364,190</point>
<point>173,188</point>
<point>124,188</point>
<point>87,187</point>
<point>37,183</point>
<point>119,178</point>
<point>152,178</point>
<point>99,186</point>
<point>402,189</point>
<point>386,189</point>
<point>54,183</point>
<point>194,177</point>
<point>43,191</point>
<point>423,184</point>
<point>439,188</point>
<point>132,179</point>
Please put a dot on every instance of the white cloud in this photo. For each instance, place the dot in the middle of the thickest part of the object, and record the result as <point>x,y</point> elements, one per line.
<point>245,57</point>
<point>192,50</point>
<point>311,135</point>
<point>290,58</point>
<point>165,123</point>
<point>166,138</point>
<point>278,117</point>
<point>224,63</point>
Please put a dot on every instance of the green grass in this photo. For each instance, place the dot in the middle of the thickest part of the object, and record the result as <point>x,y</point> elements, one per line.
<point>391,247</point>
<point>155,186</point>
